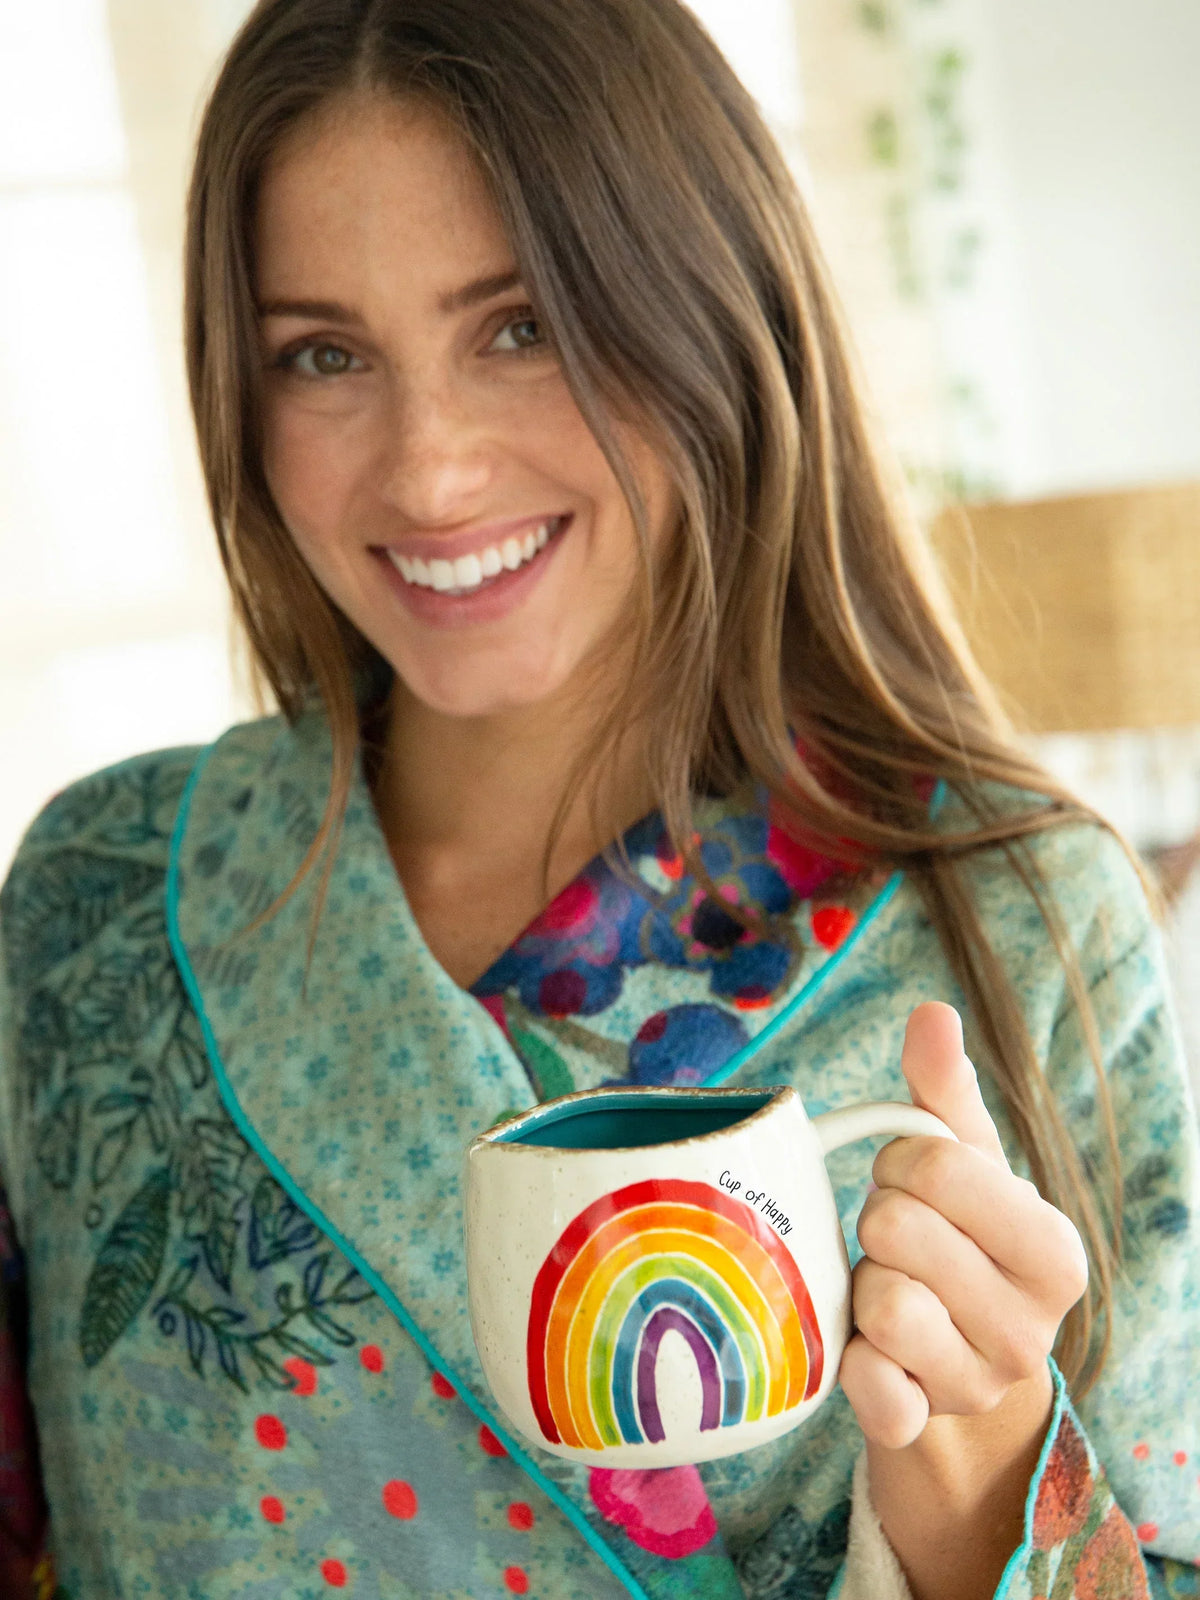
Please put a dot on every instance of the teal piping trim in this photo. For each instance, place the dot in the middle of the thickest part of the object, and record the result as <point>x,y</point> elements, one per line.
<point>1021,1554</point>
<point>281,1175</point>
<point>838,1583</point>
<point>873,912</point>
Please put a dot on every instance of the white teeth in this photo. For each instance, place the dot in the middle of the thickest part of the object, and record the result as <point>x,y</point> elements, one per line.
<point>468,572</point>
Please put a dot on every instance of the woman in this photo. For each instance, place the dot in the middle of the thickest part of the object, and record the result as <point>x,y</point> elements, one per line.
<point>547,506</point>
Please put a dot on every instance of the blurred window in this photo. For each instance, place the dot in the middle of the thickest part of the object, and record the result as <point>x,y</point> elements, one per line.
<point>108,644</point>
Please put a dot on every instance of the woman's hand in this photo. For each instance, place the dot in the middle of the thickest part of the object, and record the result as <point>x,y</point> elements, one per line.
<point>967,1275</point>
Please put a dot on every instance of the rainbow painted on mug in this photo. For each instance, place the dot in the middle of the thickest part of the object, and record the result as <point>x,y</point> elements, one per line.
<point>666,1255</point>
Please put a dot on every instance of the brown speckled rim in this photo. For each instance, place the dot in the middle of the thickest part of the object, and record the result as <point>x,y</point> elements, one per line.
<point>619,1097</point>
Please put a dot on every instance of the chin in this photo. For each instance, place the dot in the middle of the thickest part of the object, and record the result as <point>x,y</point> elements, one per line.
<point>494,692</point>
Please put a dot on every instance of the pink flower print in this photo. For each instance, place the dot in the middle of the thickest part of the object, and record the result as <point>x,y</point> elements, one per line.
<point>493,1004</point>
<point>664,1510</point>
<point>803,870</point>
<point>572,911</point>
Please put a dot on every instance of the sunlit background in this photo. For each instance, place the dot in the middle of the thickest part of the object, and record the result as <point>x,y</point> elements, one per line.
<point>1009,195</point>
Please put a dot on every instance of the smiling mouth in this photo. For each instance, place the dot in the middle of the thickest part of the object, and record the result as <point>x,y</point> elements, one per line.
<point>472,573</point>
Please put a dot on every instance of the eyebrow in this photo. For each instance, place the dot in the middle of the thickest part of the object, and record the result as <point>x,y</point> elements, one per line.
<point>454,300</point>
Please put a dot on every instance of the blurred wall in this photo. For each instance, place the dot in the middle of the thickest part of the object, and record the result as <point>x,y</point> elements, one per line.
<point>1092,110</point>
<point>114,635</point>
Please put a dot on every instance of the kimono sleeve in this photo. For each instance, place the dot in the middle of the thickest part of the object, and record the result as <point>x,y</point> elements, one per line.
<point>1114,1508</point>
<point>25,1569</point>
<point>22,1502</point>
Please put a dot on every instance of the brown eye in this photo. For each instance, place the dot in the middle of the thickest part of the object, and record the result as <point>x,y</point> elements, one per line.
<point>321,361</point>
<point>524,335</point>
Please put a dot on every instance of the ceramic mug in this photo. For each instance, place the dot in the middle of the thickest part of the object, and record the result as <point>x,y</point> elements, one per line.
<point>658,1276</point>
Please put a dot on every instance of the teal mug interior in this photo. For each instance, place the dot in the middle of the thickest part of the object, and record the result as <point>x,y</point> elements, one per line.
<point>632,1120</point>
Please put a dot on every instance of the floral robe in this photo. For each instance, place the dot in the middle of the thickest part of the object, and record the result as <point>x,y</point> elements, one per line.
<point>236,1191</point>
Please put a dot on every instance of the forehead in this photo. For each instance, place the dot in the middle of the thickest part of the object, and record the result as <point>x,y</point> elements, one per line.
<point>370,180</point>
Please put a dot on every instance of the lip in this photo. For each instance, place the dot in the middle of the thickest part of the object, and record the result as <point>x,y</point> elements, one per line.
<point>449,546</point>
<point>492,602</point>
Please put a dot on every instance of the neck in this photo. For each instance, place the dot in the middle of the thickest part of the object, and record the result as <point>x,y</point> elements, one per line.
<point>465,801</point>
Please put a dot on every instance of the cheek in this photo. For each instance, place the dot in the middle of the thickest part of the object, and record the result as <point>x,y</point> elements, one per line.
<point>311,474</point>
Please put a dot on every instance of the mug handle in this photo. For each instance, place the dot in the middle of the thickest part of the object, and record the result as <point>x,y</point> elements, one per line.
<point>836,1128</point>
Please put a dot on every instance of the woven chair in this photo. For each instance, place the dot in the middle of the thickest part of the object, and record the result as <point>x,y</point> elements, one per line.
<point>1085,613</point>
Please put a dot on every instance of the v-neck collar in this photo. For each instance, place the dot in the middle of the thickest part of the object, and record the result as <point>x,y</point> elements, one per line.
<point>636,972</point>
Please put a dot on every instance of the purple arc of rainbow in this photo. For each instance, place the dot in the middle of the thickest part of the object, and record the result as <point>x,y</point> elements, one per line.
<point>667,1320</point>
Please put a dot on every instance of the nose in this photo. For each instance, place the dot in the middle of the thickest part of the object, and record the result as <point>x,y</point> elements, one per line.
<point>438,456</point>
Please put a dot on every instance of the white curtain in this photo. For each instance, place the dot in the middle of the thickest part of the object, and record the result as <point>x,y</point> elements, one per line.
<point>113,622</point>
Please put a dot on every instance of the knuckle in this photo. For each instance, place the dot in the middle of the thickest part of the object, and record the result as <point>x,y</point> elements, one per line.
<point>1020,1354</point>
<point>989,1392</point>
<point>1075,1272</point>
<point>935,1168</point>
<point>882,1229</point>
<point>1065,1255</point>
<point>897,1431</point>
<point>887,1316</point>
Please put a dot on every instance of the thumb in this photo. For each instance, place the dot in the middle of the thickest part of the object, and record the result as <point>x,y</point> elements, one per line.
<point>942,1080</point>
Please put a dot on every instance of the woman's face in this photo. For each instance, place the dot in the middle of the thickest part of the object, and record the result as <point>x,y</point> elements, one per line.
<point>420,439</point>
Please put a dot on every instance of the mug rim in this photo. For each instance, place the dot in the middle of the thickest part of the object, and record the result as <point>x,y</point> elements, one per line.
<point>550,1110</point>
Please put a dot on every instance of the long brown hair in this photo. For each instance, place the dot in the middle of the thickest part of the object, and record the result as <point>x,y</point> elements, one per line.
<point>671,259</point>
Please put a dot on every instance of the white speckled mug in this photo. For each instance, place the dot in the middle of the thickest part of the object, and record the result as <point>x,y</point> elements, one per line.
<point>658,1276</point>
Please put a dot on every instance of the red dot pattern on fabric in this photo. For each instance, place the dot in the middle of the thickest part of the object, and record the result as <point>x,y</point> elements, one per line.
<point>399,1499</point>
<point>489,1443</point>
<point>653,1028</point>
<point>304,1373</point>
<point>1141,1451</point>
<point>516,1581</point>
<point>270,1432</point>
<point>562,993</point>
<point>441,1388</point>
<point>520,1516</point>
<point>334,1574</point>
<point>752,999</point>
<point>1181,1458</point>
<point>272,1508</point>
<point>1147,1531</point>
<point>831,924</point>
<point>371,1357</point>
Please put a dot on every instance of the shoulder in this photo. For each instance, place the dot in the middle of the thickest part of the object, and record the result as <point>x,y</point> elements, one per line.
<point>95,850</point>
<point>118,806</point>
<point>1062,883</point>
